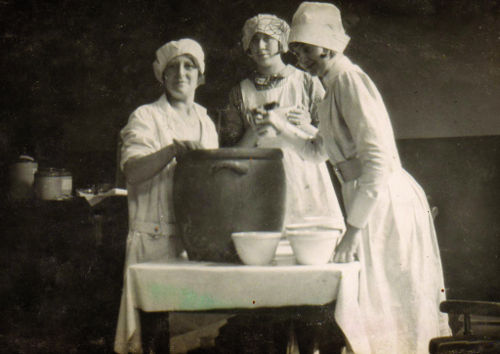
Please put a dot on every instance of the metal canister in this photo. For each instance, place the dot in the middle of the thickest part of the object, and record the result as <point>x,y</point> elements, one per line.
<point>53,184</point>
<point>21,177</point>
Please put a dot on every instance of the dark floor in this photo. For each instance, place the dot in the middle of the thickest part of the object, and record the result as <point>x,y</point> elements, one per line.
<point>60,282</point>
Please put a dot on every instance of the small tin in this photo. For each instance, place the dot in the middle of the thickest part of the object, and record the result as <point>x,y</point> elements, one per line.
<point>53,184</point>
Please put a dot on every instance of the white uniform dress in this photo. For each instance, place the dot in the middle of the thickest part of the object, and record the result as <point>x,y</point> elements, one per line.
<point>401,282</point>
<point>152,233</point>
<point>309,188</point>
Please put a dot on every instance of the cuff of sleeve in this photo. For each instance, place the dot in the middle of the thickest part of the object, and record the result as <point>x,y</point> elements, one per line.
<point>122,162</point>
<point>129,154</point>
<point>360,210</point>
<point>299,133</point>
<point>294,136</point>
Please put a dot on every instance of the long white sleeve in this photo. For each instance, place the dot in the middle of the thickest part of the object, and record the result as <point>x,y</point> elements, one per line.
<point>362,108</point>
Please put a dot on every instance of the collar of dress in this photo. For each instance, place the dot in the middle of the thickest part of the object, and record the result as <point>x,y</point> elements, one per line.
<point>339,64</point>
<point>167,108</point>
<point>265,81</point>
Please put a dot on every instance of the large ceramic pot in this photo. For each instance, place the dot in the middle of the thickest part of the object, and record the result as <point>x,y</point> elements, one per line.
<point>218,192</point>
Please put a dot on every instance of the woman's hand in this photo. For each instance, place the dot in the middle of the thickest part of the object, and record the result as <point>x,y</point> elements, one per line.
<point>264,120</point>
<point>181,147</point>
<point>140,169</point>
<point>298,117</point>
<point>255,116</point>
<point>347,250</point>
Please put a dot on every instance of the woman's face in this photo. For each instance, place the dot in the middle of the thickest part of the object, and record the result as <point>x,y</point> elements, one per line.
<point>312,59</point>
<point>263,48</point>
<point>181,77</point>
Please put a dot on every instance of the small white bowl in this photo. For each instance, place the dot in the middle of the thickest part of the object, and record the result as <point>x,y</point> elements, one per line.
<point>256,248</point>
<point>314,245</point>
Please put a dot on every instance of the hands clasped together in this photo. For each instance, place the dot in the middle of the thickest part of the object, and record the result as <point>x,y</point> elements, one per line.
<point>272,122</point>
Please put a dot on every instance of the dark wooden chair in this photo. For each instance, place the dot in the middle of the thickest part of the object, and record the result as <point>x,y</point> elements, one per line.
<point>480,332</point>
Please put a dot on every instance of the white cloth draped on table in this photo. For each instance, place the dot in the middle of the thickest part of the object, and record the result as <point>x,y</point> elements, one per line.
<point>176,287</point>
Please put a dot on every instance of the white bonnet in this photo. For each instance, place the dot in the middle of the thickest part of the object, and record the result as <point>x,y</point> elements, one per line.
<point>319,24</point>
<point>268,24</point>
<point>173,49</point>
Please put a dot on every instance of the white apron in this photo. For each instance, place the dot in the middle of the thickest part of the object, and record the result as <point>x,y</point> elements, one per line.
<point>309,187</point>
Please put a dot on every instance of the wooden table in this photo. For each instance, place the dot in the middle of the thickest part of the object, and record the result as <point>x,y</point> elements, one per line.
<point>202,286</point>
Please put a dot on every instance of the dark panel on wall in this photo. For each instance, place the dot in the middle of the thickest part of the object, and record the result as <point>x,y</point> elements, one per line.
<point>462,176</point>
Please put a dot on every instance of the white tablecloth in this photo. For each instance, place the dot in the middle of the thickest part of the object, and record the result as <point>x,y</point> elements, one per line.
<point>200,286</point>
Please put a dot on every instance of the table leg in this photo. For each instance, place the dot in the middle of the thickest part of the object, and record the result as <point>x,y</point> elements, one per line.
<point>155,332</point>
<point>316,330</point>
<point>307,337</point>
<point>254,332</point>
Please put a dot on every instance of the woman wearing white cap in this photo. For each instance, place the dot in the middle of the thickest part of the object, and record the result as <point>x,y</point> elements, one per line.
<point>154,136</point>
<point>389,224</point>
<point>294,92</point>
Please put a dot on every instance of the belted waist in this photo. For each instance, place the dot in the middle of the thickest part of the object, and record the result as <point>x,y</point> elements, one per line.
<point>155,228</point>
<point>348,170</point>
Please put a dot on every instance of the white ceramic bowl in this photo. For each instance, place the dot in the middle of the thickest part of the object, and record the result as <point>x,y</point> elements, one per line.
<point>313,245</point>
<point>256,248</point>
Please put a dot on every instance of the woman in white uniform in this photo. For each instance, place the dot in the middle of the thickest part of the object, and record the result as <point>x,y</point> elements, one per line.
<point>309,187</point>
<point>389,223</point>
<point>155,135</point>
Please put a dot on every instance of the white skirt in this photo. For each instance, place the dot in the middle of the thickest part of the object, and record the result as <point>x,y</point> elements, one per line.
<point>401,281</point>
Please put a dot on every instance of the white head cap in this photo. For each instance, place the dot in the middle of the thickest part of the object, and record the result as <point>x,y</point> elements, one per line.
<point>173,49</point>
<point>319,24</point>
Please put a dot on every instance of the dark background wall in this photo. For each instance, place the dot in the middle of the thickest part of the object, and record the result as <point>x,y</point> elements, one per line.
<point>462,177</point>
<point>72,72</point>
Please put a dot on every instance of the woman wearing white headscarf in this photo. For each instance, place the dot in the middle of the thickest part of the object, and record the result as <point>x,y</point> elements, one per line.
<point>309,187</point>
<point>389,223</point>
<point>155,135</point>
